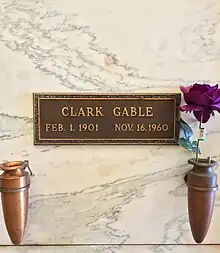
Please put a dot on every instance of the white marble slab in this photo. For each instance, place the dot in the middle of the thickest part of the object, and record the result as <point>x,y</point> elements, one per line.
<point>140,197</point>
<point>111,194</point>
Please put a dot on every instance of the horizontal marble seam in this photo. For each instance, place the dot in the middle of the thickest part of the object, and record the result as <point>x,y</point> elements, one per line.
<point>108,244</point>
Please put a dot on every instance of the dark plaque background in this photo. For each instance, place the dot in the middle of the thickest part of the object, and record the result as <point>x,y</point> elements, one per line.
<point>103,130</point>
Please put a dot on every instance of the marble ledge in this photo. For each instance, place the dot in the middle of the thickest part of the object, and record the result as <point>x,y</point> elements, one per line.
<point>112,249</point>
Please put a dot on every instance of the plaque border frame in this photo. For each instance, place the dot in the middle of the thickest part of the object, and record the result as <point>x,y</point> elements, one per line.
<point>105,96</point>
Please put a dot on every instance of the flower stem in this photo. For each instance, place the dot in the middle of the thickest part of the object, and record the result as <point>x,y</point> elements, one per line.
<point>197,148</point>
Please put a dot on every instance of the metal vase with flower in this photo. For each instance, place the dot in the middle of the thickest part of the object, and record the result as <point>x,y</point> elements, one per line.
<point>202,100</point>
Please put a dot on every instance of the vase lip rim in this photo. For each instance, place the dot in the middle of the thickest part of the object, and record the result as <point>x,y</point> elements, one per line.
<point>12,165</point>
<point>203,162</point>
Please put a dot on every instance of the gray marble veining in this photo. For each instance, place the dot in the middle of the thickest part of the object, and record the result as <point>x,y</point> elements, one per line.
<point>110,195</point>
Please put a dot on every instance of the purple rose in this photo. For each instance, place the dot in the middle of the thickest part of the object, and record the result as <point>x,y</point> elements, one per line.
<point>202,100</point>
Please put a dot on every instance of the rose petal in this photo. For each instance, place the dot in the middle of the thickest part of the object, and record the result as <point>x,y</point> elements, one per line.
<point>201,94</point>
<point>203,88</point>
<point>216,97</point>
<point>216,107</point>
<point>190,108</point>
<point>205,115</point>
<point>213,94</point>
<point>215,86</point>
<point>185,89</point>
<point>197,97</point>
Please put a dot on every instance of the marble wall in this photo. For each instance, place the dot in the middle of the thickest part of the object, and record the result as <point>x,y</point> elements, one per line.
<point>118,199</point>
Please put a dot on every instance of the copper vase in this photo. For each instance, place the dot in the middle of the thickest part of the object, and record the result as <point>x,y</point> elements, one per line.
<point>14,185</point>
<point>202,186</point>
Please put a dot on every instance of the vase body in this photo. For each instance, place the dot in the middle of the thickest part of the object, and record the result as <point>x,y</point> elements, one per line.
<point>202,186</point>
<point>14,185</point>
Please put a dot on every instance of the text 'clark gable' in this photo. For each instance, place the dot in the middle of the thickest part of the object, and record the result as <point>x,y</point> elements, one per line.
<point>117,111</point>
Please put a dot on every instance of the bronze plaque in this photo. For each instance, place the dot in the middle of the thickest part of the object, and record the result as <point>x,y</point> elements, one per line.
<point>106,118</point>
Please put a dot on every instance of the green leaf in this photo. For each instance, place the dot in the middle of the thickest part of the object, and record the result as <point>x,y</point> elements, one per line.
<point>188,132</point>
<point>194,147</point>
<point>194,144</point>
<point>185,144</point>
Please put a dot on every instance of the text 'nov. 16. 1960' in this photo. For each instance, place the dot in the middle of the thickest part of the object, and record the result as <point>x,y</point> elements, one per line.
<point>106,119</point>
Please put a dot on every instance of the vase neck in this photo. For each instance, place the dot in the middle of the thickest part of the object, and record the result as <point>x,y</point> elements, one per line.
<point>202,169</point>
<point>203,165</point>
